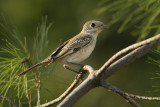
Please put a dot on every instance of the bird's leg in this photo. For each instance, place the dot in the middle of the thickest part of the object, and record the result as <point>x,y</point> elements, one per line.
<point>77,72</point>
<point>81,66</point>
<point>67,67</point>
<point>80,70</point>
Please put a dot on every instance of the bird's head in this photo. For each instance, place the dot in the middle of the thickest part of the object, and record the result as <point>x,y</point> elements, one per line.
<point>93,27</point>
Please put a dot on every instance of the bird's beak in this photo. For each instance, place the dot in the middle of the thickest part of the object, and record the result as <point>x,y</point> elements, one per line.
<point>104,26</point>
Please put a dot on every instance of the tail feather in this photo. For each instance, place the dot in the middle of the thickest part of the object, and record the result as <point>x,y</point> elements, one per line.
<point>29,69</point>
<point>47,61</point>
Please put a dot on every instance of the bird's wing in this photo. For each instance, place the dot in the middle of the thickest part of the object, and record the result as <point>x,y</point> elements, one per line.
<point>72,46</point>
<point>59,49</point>
<point>47,61</point>
<point>51,58</point>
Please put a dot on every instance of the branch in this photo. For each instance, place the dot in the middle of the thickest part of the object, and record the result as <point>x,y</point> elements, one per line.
<point>9,100</point>
<point>107,85</point>
<point>70,88</point>
<point>143,97</point>
<point>88,68</point>
<point>127,59</point>
<point>82,89</point>
<point>125,50</point>
<point>37,78</point>
<point>94,78</point>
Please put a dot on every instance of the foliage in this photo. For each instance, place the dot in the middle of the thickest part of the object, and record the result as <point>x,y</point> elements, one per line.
<point>154,59</point>
<point>11,58</point>
<point>139,17</point>
<point>15,58</point>
<point>142,16</point>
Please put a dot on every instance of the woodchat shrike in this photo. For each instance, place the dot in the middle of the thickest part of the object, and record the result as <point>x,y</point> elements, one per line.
<point>75,49</point>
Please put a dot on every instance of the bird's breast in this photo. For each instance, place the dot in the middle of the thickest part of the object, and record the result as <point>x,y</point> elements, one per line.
<point>82,54</point>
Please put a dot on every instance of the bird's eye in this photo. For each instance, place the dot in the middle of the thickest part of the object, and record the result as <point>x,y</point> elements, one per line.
<point>93,25</point>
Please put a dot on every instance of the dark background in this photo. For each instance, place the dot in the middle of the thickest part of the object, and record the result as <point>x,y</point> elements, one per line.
<point>68,17</point>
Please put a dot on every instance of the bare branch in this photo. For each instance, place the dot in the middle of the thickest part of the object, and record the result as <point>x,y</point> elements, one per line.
<point>127,59</point>
<point>93,80</point>
<point>77,93</point>
<point>143,97</point>
<point>70,88</point>
<point>108,86</point>
<point>82,89</point>
<point>125,50</point>
<point>9,100</point>
<point>88,68</point>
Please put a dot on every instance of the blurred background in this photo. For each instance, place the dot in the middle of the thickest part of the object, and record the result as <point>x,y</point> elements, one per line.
<point>128,21</point>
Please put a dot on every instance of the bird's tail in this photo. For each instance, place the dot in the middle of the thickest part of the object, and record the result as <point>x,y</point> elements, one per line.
<point>29,69</point>
<point>47,61</point>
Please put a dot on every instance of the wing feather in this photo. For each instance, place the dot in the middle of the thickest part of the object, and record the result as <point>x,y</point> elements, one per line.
<point>72,46</point>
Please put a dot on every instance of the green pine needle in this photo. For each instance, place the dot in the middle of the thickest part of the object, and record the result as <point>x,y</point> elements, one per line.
<point>133,14</point>
<point>15,58</point>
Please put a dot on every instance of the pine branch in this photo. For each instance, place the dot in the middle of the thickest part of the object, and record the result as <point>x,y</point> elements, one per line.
<point>9,100</point>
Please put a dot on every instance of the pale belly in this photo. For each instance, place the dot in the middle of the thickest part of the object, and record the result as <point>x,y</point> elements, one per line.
<point>82,54</point>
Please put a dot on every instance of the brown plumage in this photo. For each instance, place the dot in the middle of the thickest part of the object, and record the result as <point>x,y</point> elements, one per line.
<point>75,49</point>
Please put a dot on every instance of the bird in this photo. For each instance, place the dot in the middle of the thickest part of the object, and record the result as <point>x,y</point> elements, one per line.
<point>74,50</point>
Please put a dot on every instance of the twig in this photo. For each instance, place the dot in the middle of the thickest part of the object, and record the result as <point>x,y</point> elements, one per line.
<point>37,78</point>
<point>107,85</point>
<point>70,88</point>
<point>83,88</point>
<point>143,97</point>
<point>127,49</point>
<point>9,100</point>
